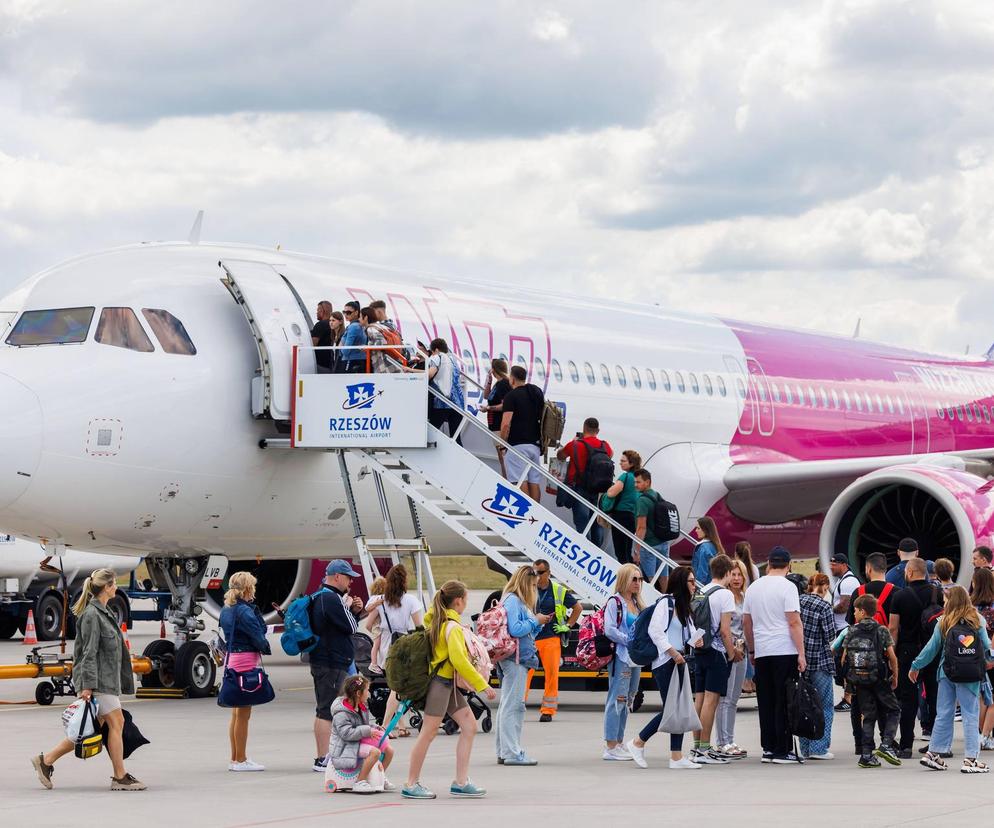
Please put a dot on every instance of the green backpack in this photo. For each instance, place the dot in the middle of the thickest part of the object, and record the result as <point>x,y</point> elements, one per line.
<point>409,667</point>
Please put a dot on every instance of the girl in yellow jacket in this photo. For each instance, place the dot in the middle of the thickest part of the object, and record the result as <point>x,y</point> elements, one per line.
<point>449,656</point>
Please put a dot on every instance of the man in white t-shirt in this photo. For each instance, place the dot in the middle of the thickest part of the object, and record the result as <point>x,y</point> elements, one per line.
<point>846,583</point>
<point>713,664</point>
<point>771,618</point>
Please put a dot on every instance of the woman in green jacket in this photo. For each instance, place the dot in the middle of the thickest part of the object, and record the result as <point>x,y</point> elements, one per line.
<point>101,672</point>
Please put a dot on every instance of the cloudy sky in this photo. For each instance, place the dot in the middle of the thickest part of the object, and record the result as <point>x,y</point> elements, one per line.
<point>802,163</point>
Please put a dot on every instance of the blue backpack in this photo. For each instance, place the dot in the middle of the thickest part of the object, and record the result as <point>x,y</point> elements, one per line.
<point>641,648</point>
<point>298,637</point>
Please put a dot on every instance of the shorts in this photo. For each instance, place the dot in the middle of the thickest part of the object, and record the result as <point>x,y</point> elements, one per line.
<point>516,466</point>
<point>106,703</point>
<point>327,686</point>
<point>711,670</point>
<point>443,698</point>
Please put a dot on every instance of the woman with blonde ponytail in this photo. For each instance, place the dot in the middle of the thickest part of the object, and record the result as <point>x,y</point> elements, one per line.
<point>102,672</point>
<point>245,633</point>
<point>449,656</point>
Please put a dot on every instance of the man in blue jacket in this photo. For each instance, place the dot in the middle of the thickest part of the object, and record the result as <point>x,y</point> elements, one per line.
<point>333,614</point>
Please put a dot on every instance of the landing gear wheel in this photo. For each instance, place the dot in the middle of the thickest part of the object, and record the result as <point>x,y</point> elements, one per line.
<point>638,701</point>
<point>449,727</point>
<point>8,626</point>
<point>195,669</point>
<point>165,652</point>
<point>45,693</point>
<point>122,612</point>
<point>487,724</point>
<point>48,618</point>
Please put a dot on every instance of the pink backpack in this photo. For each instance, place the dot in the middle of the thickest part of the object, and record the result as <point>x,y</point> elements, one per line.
<point>491,629</point>
<point>593,643</point>
<point>478,656</point>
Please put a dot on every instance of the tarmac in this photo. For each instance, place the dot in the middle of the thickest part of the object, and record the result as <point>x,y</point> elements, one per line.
<point>185,768</point>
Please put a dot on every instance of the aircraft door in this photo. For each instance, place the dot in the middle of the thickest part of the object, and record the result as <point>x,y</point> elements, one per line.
<point>920,430</point>
<point>278,321</point>
<point>745,393</point>
<point>762,395</point>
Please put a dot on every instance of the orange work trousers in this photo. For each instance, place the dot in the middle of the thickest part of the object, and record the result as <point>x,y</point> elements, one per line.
<point>550,651</point>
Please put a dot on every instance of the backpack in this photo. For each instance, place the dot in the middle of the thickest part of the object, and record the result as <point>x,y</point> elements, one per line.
<point>665,520</point>
<point>390,335</point>
<point>491,629</point>
<point>805,717</point>
<point>598,475</point>
<point>642,650</point>
<point>987,613</point>
<point>864,656</point>
<point>879,616</point>
<point>932,613</point>
<point>478,657</point>
<point>551,423</point>
<point>408,667</point>
<point>298,637</point>
<point>700,611</point>
<point>963,655</point>
<point>594,650</point>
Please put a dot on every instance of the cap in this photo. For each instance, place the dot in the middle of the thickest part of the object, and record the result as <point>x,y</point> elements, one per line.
<point>840,558</point>
<point>340,568</point>
<point>908,545</point>
<point>779,556</point>
<point>799,581</point>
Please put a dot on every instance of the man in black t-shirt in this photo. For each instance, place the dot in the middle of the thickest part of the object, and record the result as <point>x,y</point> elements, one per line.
<point>520,426</point>
<point>321,338</point>
<point>908,605</point>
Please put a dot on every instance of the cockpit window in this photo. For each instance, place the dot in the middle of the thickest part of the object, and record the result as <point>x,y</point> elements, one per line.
<point>51,327</point>
<point>170,332</point>
<point>120,327</point>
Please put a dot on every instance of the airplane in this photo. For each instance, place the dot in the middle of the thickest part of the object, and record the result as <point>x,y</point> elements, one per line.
<point>136,395</point>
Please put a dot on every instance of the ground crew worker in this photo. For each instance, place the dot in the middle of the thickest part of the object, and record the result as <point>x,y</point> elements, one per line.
<point>555,600</point>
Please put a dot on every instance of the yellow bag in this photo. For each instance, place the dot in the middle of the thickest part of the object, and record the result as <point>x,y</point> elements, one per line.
<point>89,746</point>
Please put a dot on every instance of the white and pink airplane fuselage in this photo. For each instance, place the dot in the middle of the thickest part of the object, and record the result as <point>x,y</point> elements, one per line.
<point>817,442</point>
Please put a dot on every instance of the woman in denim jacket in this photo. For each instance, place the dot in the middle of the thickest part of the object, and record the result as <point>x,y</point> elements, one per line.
<point>245,633</point>
<point>523,624</point>
<point>620,613</point>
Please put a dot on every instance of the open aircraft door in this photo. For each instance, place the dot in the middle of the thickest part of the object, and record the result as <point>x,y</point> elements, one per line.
<point>279,321</point>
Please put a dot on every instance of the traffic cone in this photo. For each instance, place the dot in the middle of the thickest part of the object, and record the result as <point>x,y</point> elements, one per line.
<point>124,632</point>
<point>30,635</point>
<point>162,628</point>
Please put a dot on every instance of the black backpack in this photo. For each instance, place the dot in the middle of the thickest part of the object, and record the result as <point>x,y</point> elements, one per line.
<point>665,520</point>
<point>805,717</point>
<point>598,475</point>
<point>963,655</point>
<point>864,655</point>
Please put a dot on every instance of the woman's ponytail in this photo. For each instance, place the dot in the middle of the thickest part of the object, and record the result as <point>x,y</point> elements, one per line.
<point>92,587</point>
<point>450,591</point>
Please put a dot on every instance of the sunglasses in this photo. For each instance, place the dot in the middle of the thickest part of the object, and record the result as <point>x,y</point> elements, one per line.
<point>637,580</point>
<point>533,574</point>
<point>541,571</point>
<point>349,312</point>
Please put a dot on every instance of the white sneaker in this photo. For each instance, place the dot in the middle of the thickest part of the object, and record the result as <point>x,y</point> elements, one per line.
<point>248,766</point>
<point>619,753</point>
<point>363,787</point>
<point>709,757</point>
<point>388,785</point>
<point>683,764</point>
<point>821,756</point>
<point>638,754</point>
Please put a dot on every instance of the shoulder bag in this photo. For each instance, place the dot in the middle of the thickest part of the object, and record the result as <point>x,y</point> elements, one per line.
<point>245,689</point>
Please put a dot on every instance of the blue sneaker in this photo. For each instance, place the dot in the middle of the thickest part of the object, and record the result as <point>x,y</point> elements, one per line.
<point>468,791</point>
<point>416,791</point>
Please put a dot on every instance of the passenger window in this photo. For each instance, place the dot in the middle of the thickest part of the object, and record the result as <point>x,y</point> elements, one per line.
<point>788,397</point>
<point>51,327</point>
<point>486,359</point>
<point>969,413</point>
<point>680,386</point>
<point>800,394</point>
<point>900,406</point>
<point>859,401</point>
<point>740,387</point>
<point>622,379</point>
<point>588,369</point>
<point>959,413</point>
<point>824,397</point>
<point>557,370</point>
<point>650,378</point>
<point>574,373</point>
<point>880,404</point>
<point>761,390</point>
<point>869,402</point>
<point>812,399</point>
<point>708,387</point>
<point>170,332</point>
<point>636,377</point>
<point>835,399</point>
<point>664,378</point>
<point>722,391</point>
<point>890,404</point>
<point>987,414</point>
<point>120,327</point>
<point>694,386</point>
<point>942,413</point>
<point>775,392</point>
<point>539,369</point>
<point>521,360</point>
<point>605,375</point>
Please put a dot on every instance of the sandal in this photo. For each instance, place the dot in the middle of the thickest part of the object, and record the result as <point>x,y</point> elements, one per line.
<point>400,733</point>
<point>933,761</point>
<point>974,766</point>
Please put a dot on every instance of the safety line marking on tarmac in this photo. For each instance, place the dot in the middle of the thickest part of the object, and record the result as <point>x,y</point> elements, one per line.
<point>285,819</point>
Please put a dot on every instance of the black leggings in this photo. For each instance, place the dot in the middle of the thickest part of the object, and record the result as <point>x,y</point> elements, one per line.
<point>662,676</point>
<point>622,543</point>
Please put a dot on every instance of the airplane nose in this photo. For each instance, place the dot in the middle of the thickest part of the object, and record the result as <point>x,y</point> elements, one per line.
<point>20,438</point>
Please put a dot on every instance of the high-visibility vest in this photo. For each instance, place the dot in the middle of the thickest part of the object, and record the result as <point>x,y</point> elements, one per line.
<point>559,597</point>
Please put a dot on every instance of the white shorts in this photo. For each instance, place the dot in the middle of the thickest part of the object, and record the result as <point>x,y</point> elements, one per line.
<point>106,703</point>
<point>515,465</point>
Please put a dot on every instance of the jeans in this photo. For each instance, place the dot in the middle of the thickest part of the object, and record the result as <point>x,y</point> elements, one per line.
<point>879,702</point>
<point>623,684</point>
<point>511,710</point>
<point>772,673</point>
<point>824,684</point>
<point>581,516</point>
<point>662,677</point>
<point>969,705</point>
<point>724,717</point>
<point>622,543</point>
<point>649,563</point>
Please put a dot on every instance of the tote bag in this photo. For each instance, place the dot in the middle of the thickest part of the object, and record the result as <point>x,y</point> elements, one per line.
<point>679,715</point>
<point>245,689</point>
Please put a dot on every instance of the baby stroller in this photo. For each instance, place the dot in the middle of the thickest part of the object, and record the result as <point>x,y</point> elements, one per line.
<point>362,644</point>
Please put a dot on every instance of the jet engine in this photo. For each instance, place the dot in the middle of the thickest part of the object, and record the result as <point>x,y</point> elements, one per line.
<point>948,511</point>
<point>279,582</point>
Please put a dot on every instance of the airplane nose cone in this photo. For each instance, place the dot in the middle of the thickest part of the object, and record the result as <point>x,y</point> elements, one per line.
<point>20,438</point>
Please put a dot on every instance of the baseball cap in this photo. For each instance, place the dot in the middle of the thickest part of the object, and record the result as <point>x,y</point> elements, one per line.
<point>340,568</point>
<point>908,545</point>
<point>840,558</point>
<point>779,556</point>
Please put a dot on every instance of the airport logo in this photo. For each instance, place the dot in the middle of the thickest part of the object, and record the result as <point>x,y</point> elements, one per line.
<point>511,507</point>
<point>361,395</point>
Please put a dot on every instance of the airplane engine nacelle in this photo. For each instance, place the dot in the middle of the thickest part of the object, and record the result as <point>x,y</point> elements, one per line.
<point>948,511</point>
<point>279,582</point>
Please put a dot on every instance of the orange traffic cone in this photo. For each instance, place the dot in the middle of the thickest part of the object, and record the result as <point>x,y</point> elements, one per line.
<point>30,634</point>
<point>124,632</point>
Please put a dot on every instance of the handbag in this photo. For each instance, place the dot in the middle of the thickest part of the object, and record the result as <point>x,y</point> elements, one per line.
<point>679,714</point>
<point>88,746</point>
<point>246,689</point>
